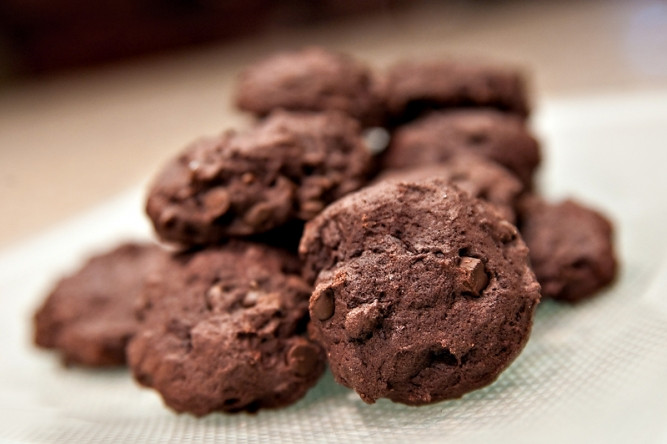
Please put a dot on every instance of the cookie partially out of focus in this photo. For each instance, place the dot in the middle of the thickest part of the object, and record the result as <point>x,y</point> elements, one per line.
<point>479,177</point>
<point>437,137</point>
<point>422,292</point>
<point>288,167</point>
<point>311,79</point>
<point>415,87</point>
<point>224,330</point>
<point>89,316</point>
<point>571,248</point>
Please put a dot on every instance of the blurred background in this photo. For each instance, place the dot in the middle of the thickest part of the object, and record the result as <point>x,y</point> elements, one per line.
<point>94,96</point>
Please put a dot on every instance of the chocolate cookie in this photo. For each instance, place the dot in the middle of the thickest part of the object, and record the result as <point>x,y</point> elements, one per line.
<point>239,184</point>
<point>89,316</point>
<point>224,330</point>
<point>435,138</point>
<point>422,293</point>
<point>473,174</point>
<point>312,79</point>
<point>413,88</point>
<point>571,248</point>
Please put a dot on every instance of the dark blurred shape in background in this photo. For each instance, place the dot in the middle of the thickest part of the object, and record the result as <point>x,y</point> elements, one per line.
<point>40,36</point>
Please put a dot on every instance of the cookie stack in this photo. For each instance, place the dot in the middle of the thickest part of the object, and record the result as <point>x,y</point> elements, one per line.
<point>418,269</point>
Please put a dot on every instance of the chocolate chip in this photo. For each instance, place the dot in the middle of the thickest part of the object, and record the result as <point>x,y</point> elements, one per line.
<point>205,172</point>
<point>250,298</point>
<point>322,304</point>
<point>248,178</point>
<point>362,320</point>
<point>258,214</point>
<point>216,201</point>
<point>303,358</point>
<point>215,297</point>
<point>473,275</point>
<point>507,231</point>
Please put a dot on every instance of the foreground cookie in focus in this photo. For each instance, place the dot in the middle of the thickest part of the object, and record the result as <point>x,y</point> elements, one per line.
<point>312,79</point>
<point>473,174</point>
<point>224,330</point>
<point>413,88</point>
<point>422,293</point>
<point>89,316</point>
<point>437,137</point>
<point>240,184</point>
<point>571,248</point>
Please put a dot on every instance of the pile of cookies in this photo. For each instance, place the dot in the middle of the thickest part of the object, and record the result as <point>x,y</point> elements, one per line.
<point>414,272</point>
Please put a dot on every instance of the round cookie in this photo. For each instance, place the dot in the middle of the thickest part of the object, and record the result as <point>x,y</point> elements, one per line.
<point>571,248</point>
<point>224,330</point>
<point>435,138</point>
<point>89,316</point>
<point>422,293</point>
<point>473,174</point>
<point>311,79</point>
<point>414,87</point>
<point>239,184</point>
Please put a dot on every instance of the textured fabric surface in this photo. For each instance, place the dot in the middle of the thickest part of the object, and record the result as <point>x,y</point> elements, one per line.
<point>592,372</point>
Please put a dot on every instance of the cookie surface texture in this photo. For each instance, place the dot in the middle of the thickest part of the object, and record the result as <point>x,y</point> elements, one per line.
<point>224,330</point>
<point>415,87</point>
<point>422,293</point>
<point>240,184</point>
<point>312,79</point>
<point>89,316</point>
<point>571,248</point>
<point>439,136</point>
<point>479,177</point>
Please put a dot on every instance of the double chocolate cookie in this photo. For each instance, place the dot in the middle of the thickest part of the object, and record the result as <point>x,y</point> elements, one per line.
<point>238,184</point>
<point>413,88</point>
<point>435,138</point>
<point>312,79</point>
<point>223,329</point>
<point>571,249</point>
<point>422,293</point>
<point>473,174</point>
<point>89,316</point>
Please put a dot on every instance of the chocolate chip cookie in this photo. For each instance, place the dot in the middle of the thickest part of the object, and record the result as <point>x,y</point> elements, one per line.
<point>422,293</point>
<point>239,184</point>
<point>571,248</point>
<point>223,329</point>
<point>500,137</point>
<point>312,79</point>
<point>473,174</point>
<point>414,87</point>
<point>89,316</point>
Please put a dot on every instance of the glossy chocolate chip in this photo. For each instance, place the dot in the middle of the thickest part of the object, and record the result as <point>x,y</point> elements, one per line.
<point>322,304</point>
<point>362,320</point>
<point>217,202</point>
<point>473,275</point>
